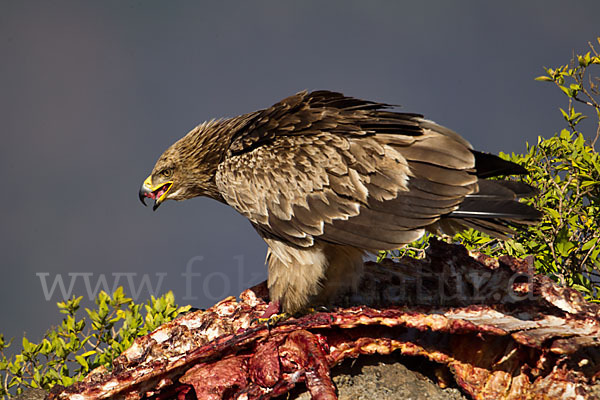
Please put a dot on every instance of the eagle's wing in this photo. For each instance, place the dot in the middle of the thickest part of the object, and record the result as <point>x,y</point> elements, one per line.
<point>343,170</point>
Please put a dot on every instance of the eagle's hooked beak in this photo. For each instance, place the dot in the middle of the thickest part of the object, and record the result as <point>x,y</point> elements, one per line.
<point>158,192</point>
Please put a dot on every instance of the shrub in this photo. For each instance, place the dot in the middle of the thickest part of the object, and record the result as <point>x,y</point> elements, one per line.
<point>78,345</point>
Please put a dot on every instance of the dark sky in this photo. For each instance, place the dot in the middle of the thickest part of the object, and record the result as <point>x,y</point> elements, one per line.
<point>92,92</point>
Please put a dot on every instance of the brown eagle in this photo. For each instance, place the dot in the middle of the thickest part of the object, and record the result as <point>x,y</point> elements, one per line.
<point>326,178</point>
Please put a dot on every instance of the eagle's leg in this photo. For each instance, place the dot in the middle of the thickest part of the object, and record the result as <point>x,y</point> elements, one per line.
<point>345,266</point>
<point>299,277</point>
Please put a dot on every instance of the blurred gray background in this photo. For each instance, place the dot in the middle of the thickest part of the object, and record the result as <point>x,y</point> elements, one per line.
<point>92,92</point>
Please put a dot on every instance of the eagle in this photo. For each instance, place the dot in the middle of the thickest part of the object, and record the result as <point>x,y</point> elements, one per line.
<point>326,179</point>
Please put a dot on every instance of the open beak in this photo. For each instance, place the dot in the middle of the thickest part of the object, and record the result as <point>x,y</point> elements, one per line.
<point>157,193</point>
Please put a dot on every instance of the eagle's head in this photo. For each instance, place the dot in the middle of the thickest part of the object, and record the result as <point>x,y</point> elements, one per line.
<point>165,181</point>
<point>187,169</point>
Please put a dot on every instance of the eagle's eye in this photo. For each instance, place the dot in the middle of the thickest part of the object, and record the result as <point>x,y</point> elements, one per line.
<point>167,172</point>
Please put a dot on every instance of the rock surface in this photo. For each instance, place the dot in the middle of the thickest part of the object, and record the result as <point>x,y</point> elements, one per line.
<point>382,378</point>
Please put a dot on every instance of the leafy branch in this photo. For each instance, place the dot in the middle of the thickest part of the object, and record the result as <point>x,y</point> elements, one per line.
<point>68,352</point>
<point>583,86</point>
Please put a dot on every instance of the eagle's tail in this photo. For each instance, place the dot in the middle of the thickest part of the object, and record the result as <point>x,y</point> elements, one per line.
<point>495,207</point>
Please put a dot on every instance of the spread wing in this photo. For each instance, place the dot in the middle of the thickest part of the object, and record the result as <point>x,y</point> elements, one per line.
<point>328,167</point>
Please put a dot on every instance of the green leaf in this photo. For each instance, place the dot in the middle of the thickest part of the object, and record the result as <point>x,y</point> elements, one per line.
<point>89,353</point>
<point>584,60</point>
<point>27,345</point>
<point>566,91</point>
<point>82,361</point>
<point>589,244</point>
<point>581,288</point>
<point>555,214</point>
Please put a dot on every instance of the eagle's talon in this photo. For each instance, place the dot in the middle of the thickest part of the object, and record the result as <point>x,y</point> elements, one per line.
<point>273,319</point>
<point>321,309</point>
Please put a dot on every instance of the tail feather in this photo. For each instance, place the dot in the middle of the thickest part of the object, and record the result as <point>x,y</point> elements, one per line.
<point>494,228</point>
<point>495,207</point>
<point>488,165</point>
<point>503,190</point>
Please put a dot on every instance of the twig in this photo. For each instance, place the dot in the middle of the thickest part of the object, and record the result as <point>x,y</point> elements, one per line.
<point>597,131</point>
